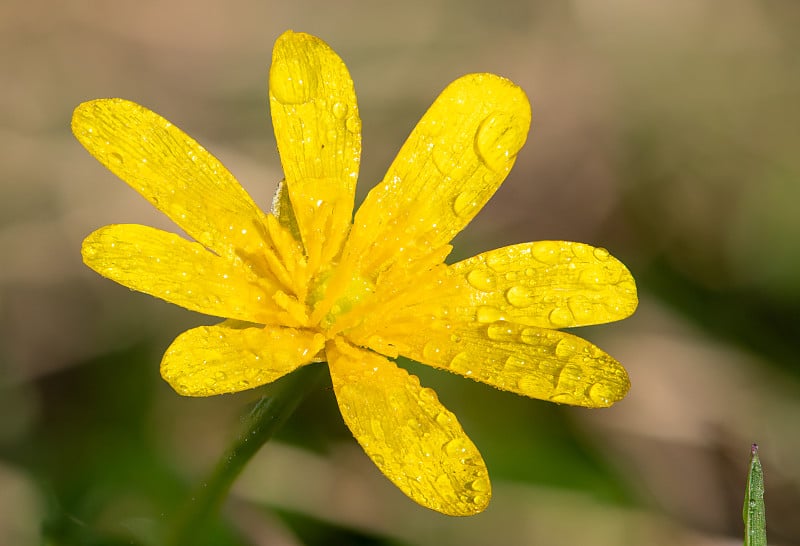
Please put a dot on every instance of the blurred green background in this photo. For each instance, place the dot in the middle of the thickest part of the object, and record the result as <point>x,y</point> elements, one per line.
<point>667,132</point>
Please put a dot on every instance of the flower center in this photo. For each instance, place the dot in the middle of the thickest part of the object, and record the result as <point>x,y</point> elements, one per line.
<point>334,295</point>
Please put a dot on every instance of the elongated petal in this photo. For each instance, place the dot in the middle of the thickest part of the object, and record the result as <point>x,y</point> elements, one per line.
<point>527,360</point>
<point>552,284</point>
<point>452,163</point>
<point>174,173</point>
<point>167,266</point>
<point>412,438</point>
<point>318,130</point>
<point>234,356</point>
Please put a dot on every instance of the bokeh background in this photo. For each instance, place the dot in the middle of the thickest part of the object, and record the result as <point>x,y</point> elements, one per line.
<point>667,132</point>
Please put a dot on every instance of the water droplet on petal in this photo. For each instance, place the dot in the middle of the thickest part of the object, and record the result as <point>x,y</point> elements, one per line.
<point>519,296</point>
<point>461,363</point>
<point>292,82</point>
<point>500,331</point>
<point>433,351</point>
<point>498,140</point>
<point>547,252</point>
<point>601,395</point>
<point>582,309</point>
<point>563,398</point>
<point>463,204</point>
<point>531,336</point>
<point>566,348</point>
<point>497,261</point>
<point>487,313</point>
<point>481,484</point>
<point>353,124</point>
<point>456,448</point>
<point>444,419</point>
<point>427,395</point>
<point>560,317</point>
<point>339,110</point>
<point>116,158</point>
<point>482,280</point>
<point>601,254</point>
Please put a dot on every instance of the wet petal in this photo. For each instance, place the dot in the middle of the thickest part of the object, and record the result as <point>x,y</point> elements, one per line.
<point>527,360</point>
<point>452,163</point>
<point>412,438</point>
<point>174,173</point>
<point>234,356</point>
<point>182,272</point>
<point>552,284</point>
<point>318,130</point>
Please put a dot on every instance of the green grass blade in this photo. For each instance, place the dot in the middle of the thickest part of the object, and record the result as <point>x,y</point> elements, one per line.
<point>755,519</point>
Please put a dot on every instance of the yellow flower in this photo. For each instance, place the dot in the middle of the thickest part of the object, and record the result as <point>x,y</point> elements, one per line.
<point>310,283</point>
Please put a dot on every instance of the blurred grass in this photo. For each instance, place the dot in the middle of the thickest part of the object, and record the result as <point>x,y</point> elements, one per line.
<point>666,132</point>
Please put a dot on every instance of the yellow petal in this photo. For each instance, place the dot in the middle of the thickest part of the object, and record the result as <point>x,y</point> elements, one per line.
<point>318,130</point>
<point>233,356</point>
<point>527,360</point>
<point>552,284</point>
<point>412,438</point>
<point>452,163</point>
<point>174,173</point>
<point>169,267</point>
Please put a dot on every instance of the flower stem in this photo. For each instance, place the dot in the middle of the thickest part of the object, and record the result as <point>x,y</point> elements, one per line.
<point>264,420</point>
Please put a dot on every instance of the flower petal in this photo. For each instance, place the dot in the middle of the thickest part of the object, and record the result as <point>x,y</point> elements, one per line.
<point>234,356</point>
<point>167,266</point>
<point>177,175</point>
<point>527,360</point>
<point>552,284</point>
<point>452,163</point>
<point>318,130</point>
<point>412,438</point>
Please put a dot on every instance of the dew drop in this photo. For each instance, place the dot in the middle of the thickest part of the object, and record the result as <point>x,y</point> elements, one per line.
<point>561,317</point>
<point>456,448</point>
<point>378,459</point>
<point>581,308</point>
<point>432,351</point>
<point>566,348</point>
<point>498,140</point>
<point>292,82</point>
<point>353,124</point>
<point>480,279</point>
<point>593,275</point>
<point>427,395</point>
<point>601,254</point>
<point>339,110</point>
<point>531,336</point>
<point>461,363</point>
<point>497,261</point>
<point>463,204</point>
<point>519,296</point>
<point>488,313</point>
<point>444,419</point>
<point>562,398</point>
<point>500,331</point>
<point>481,485</point>
<point>547,252</point>
<point>601,395</point>
<point>116,158</point>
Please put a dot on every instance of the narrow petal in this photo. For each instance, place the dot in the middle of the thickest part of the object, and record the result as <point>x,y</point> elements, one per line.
<point>527,360</point>
<point>174,173</point>
<point>233,356</point>
<point>167,266</point>
<point>412,438</point>
<point>318,130</point>
<point>552,284</point>
<point>452,163</point>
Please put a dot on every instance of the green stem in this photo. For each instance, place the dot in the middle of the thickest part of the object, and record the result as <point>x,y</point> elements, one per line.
<point>264,420</point>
